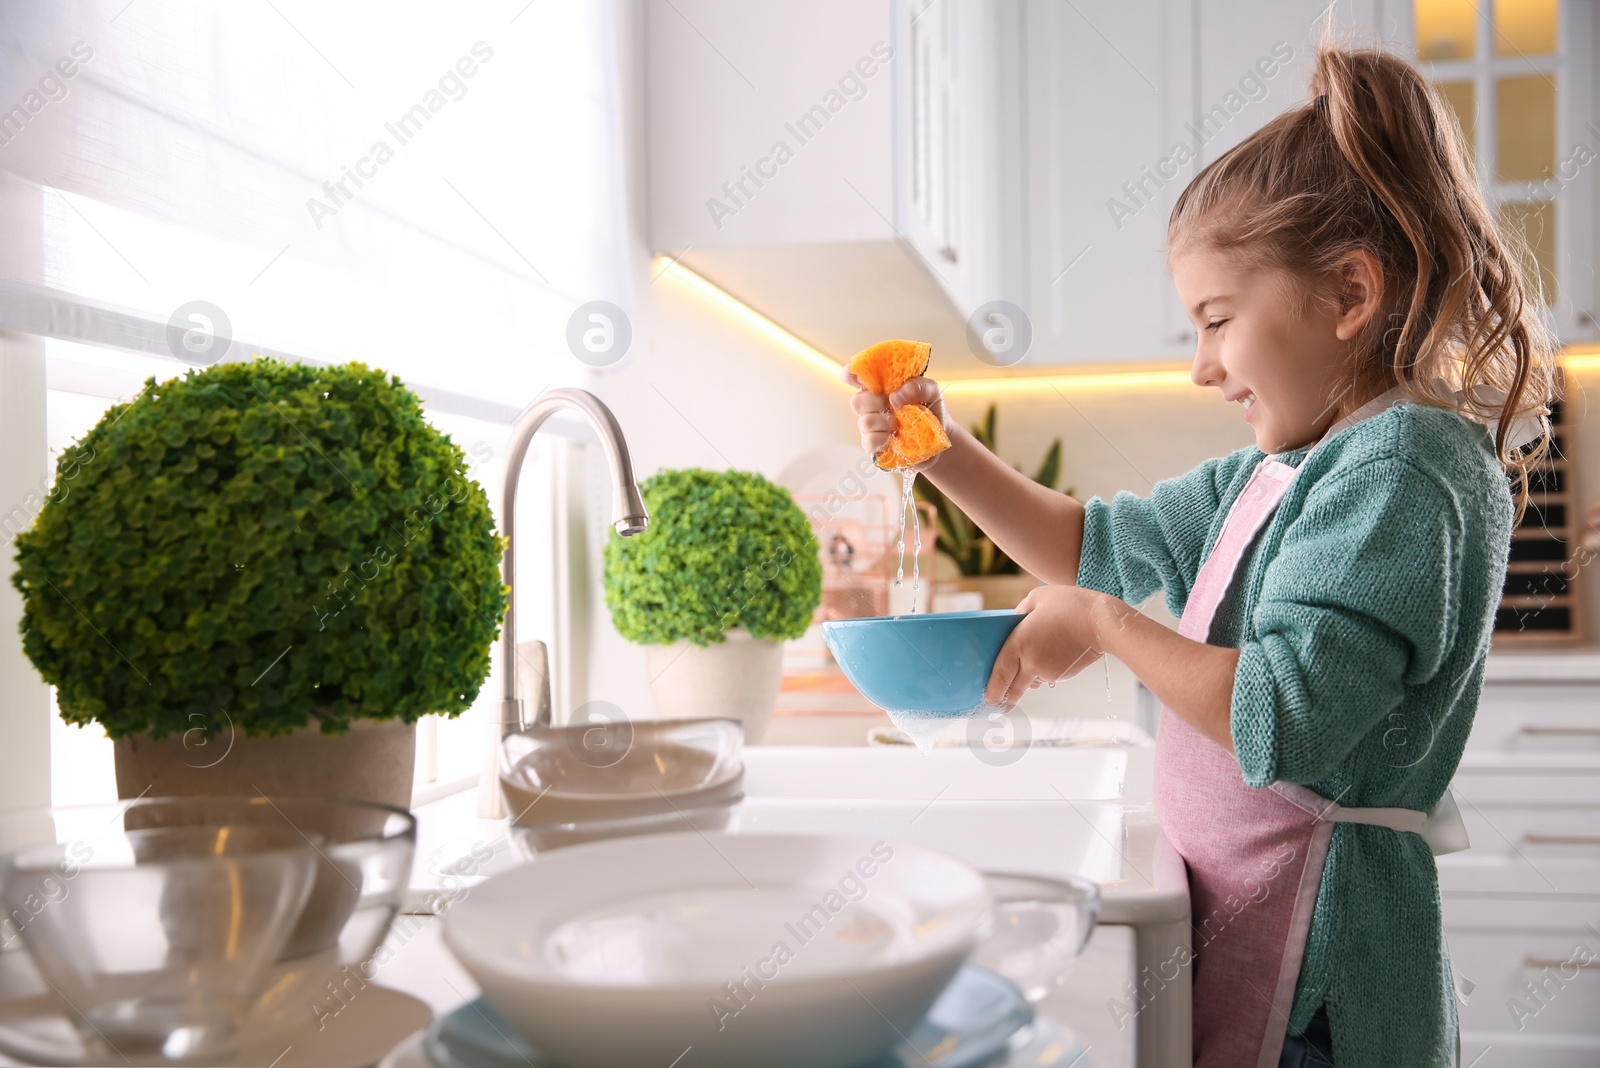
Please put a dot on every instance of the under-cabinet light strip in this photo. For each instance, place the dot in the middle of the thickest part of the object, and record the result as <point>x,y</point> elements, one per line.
<point>1579,357</point>
<point>741,312</point>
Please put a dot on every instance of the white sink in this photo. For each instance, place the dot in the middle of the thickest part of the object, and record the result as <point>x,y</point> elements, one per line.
<point>1039,837</point>
<point>1046,811</point>
<point>953,773</point>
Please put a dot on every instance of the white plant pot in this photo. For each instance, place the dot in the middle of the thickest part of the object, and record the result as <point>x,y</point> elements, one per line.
<point>738,678</point>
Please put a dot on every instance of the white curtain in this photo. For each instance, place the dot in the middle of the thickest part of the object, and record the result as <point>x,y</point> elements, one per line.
<point>430,188</point>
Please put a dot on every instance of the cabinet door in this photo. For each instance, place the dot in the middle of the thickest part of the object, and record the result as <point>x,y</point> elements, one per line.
<point>957,97</point>
<point>1105,82</point>
<point>1255,58</point>
<point>770,124</point>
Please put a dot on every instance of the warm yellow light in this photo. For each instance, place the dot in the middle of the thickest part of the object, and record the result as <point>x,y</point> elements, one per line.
<point>1082,380</point>
<point>736,309</point>
<point>1582,357</point>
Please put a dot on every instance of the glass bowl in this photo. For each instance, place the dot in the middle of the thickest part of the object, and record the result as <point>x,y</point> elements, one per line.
<point>168,929</point>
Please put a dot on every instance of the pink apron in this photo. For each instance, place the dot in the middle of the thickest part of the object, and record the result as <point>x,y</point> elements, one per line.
<point>1255,855</point>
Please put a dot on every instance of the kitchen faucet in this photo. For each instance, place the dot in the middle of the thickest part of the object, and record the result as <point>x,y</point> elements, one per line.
<point>628,518</point>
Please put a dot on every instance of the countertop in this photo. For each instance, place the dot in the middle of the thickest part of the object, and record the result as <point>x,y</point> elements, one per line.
<point>1144,894</point>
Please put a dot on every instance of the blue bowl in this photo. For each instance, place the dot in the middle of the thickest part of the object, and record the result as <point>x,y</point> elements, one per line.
<point>936,663</point>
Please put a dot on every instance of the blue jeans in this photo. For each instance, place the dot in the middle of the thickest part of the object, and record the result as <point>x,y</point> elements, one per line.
<point>1314,1049</point>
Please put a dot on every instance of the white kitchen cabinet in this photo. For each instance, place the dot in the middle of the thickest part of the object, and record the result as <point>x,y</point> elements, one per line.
<point>859,169</point>
<point>837,164</point>
<point>1106,83</point>
<point>1520,75</point>
<point>1126,102</point>
<point>1522,906</point>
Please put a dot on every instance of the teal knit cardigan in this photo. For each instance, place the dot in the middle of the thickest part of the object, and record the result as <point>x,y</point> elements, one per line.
<point>1362,617</point>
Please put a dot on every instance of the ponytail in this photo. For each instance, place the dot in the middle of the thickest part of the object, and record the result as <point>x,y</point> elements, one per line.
<point>1375,162</point>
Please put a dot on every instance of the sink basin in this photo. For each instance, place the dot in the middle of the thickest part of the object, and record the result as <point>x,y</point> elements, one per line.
<point>1060,838</point>
<point>1061,807</point>
<point>955,773</point>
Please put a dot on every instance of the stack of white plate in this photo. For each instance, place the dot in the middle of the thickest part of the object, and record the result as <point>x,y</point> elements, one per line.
<point>586,782</point>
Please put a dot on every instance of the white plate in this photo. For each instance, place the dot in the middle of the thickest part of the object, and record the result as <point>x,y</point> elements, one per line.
<point>751,949</point>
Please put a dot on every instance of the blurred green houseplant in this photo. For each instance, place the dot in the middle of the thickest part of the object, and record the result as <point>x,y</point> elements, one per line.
<point>269,544</point>
<point>959,537</point>
<point>724,550</point>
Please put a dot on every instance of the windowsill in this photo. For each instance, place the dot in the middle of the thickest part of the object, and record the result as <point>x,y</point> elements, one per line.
<point>426,793</point>
<point>456,850</point>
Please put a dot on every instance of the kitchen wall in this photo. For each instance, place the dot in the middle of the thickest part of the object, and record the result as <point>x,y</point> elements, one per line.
<point>698,387</point>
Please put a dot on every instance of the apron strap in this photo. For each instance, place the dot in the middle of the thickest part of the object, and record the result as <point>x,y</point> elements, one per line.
<point>1443,828</point>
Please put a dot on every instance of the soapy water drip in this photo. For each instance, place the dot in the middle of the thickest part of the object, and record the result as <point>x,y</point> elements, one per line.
<point>925,728</point>
<point>908,478</point>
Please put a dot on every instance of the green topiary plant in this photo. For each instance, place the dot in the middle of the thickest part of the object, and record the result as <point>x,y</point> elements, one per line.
<point>266,545</point>
<point>724,549</point>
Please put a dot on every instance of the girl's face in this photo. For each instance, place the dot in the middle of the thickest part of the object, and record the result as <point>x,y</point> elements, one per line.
<point>1284,366</point>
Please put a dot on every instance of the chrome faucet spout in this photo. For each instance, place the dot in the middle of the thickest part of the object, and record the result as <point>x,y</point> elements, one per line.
<point>628,517</point>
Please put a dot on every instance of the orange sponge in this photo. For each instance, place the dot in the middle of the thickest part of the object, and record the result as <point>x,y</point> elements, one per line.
<point>884,368</point>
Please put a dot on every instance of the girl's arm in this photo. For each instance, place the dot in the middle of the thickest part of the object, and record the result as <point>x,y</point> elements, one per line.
<point>1193,679</point>
<point>1038,527</point>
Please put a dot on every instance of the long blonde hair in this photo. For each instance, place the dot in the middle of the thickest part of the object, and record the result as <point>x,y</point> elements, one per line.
<point>1375,162</point>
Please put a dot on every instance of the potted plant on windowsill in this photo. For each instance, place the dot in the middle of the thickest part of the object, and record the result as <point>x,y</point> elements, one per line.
<point>728,569</point>
<point>982,565</point>
<point>264,576</point>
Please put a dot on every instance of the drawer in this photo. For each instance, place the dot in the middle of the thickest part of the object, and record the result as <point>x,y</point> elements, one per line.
<point>1527,779</point>
<point>1488,1049</point>
<point>1534,966</point>
<point>1525,849</point>
<point>1559,718</point>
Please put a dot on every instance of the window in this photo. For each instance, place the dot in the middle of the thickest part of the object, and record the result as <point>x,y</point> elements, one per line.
<point>1509,70</point>
<point>432,194</point>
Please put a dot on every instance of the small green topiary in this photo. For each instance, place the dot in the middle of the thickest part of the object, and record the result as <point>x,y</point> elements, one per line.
<point>724,549</point>
<point>266,545</point>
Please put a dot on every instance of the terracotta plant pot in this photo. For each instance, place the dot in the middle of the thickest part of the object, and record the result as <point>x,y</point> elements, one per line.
<point>737,678</point>
<point>372,761</point>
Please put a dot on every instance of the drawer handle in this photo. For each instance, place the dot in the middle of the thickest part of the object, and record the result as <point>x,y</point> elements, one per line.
<point>1561,839</point>
<point>1565,732</point>
<point>1560,962</point>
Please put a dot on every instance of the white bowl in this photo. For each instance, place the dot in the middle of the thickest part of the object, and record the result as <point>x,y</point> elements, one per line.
<point>777,950</point>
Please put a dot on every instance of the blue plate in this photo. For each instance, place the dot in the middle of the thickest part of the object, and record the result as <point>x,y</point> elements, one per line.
<point>971,1024</point>
<point>933,663</point>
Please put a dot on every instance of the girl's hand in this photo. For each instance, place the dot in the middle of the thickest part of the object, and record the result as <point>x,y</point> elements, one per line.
<point>874,418</point>
<point>1054,641</point>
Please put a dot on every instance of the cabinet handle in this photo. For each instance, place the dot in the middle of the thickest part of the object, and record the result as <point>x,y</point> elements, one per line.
<point>1561,839</point>
<point>1531,961</point>
<point>1566,732</point>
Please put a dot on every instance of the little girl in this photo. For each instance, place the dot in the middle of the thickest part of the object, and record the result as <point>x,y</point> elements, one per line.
<point>1336,581</point>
